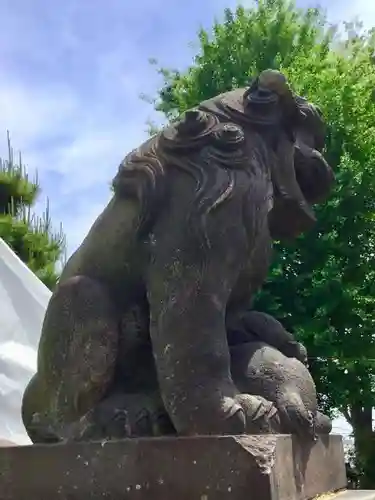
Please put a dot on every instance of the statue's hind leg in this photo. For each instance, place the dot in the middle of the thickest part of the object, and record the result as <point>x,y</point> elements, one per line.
<point>76,358</point>
<point>261,370</point>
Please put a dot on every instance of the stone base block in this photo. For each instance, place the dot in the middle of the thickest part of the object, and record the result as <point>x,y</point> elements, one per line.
<point>267,467</point>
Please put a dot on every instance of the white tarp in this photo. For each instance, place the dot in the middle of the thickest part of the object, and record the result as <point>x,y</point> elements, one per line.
<point>23,301</point>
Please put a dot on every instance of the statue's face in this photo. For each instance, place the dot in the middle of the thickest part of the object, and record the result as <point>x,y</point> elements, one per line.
<point>293,130</point>
<point>314,176</point>
<point>301,177</point>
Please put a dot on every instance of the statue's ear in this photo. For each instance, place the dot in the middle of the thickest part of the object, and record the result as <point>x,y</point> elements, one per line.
<point>270,98</point>
<point>261,106</point>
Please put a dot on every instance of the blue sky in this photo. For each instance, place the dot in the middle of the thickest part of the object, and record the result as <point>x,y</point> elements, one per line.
<point>70,77</point>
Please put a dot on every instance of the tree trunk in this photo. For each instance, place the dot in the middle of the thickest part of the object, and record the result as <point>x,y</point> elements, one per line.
<point>364,436</point>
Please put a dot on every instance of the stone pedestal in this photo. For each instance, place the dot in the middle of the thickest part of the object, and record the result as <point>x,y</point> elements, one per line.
<point>202,468</point>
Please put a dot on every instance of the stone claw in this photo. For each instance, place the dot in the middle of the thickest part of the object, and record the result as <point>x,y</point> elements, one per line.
<point>261,415</point>
<point>295,419</point>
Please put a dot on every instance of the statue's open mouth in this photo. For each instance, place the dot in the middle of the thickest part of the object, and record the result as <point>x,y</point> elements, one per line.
<point>289,218</point>
<point>292,212</point>
<point>314,175</point>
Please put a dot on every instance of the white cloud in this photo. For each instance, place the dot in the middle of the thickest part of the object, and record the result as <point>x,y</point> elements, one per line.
<point>32,114</point>
<point>339,11</point>
<point>92,157</point>
<point>76,148</point>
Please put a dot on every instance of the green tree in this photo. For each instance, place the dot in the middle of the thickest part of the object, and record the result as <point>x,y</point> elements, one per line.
<point>322,286</point>
<point>30,236</point>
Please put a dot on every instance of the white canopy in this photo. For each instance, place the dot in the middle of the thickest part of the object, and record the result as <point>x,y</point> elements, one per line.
<point>23,301</point>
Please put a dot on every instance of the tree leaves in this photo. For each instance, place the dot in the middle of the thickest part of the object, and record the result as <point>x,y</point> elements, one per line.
<point>321,286</point>
<point>29,235</point>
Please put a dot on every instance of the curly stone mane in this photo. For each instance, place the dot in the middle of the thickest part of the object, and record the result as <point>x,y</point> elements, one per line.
<point>202,147</point>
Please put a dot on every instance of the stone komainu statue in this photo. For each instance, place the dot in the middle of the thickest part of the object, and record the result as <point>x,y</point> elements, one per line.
<point>150,330</point>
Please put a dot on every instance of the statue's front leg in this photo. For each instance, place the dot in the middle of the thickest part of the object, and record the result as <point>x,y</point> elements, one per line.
<point>188,291</point>
<point>190,349</point>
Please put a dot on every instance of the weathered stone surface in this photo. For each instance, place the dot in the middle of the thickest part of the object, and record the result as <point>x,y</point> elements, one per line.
<point>203,468</point>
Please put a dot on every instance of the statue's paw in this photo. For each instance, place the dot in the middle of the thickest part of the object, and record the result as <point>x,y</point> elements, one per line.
<point>297,420</point>
<point>234,416</point>
<point>301,354</point>
<point>261,415</point>
<point>308,425</point>
<point>132,415</point>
